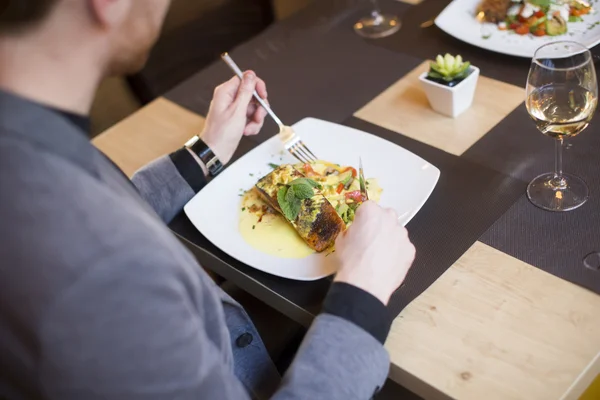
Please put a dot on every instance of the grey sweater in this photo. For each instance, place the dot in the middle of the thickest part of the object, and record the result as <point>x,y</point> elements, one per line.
<point>98,300</point>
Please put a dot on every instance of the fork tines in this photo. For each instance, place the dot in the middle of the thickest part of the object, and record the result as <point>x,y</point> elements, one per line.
<point>299,150</point>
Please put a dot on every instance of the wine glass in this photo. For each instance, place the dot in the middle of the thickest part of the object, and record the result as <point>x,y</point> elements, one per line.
<point>377,25</point>
<point>562,94</point>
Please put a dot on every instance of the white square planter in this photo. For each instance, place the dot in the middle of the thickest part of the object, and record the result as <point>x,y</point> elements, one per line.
<point>451,101</point>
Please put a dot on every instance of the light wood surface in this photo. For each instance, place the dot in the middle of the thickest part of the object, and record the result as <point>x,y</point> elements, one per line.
<point>492,327</point>
<point>404,108</point>
<point>157,129</point>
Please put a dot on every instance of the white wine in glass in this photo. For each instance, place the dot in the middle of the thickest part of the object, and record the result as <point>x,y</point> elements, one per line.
<point>562,95</point>
<point>377,25</point>
<point>562,111</point>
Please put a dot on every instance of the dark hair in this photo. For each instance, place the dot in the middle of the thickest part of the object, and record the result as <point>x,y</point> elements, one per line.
<point>21,14</point>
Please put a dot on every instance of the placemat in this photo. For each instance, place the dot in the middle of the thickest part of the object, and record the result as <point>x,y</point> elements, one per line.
<point>557,243</point>
<point>404,108</point>
<point>314,65</point>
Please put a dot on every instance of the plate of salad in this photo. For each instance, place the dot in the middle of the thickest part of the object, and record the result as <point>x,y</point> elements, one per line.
<point>519,27</point>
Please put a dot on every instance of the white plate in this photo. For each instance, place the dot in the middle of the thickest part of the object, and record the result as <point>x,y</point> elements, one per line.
<point>407,181</point>
<point>458,20</point>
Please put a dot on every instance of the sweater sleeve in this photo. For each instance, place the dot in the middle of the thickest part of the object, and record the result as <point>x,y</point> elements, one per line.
<point>169,182</point>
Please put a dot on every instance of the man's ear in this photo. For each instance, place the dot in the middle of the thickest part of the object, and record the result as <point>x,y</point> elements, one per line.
<point>110,13</point>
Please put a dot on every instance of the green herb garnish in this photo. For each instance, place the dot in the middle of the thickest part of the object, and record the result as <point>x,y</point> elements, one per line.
<point>305,181</point>
<point>290,196</point>
<point>272,165</point>
<point>302,192</point>
<point>290,209</point>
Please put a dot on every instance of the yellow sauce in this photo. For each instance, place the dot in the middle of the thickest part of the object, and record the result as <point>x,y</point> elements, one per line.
<point>272,234</point>
<point>374,190</point>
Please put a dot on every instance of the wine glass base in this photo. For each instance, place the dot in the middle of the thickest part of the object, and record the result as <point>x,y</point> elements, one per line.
<point>544,192</point>
<point>377,26</point>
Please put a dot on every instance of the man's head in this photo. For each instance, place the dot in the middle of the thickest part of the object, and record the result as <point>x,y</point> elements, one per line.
<point>121,31</point>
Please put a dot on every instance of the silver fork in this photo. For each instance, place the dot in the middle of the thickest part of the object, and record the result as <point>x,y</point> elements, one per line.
<point>291,141</point>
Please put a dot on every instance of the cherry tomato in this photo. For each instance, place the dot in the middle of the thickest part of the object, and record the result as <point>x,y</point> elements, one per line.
<point>356,196</point>
<point>308,169</point>
<point>522,19</point>
<point>540,32</point>
<point>522,30</point>
<point>340,188</point>
<point>514,26</point>
<point>539,14</point>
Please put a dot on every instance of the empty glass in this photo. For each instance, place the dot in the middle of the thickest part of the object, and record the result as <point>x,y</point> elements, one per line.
<point>377,25</point>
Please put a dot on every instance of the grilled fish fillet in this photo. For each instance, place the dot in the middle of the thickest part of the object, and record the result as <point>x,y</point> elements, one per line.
<point>318,223</point>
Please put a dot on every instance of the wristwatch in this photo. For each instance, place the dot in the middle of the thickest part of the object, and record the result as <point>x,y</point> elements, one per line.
<point>205,154</point>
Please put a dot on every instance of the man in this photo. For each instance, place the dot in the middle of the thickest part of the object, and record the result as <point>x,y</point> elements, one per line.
<point>98,300</point>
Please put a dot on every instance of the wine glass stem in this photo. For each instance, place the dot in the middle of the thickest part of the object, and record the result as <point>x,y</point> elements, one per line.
<point>558,181</point>
<point>376,9</point>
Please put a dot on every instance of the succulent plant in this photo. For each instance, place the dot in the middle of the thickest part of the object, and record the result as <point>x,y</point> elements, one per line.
<point>448,68</point>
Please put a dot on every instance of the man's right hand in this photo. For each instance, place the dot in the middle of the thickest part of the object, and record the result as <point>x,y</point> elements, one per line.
<point>375,253</point>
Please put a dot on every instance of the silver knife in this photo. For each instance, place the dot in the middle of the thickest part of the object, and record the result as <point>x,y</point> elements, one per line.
<point>361,180</point>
